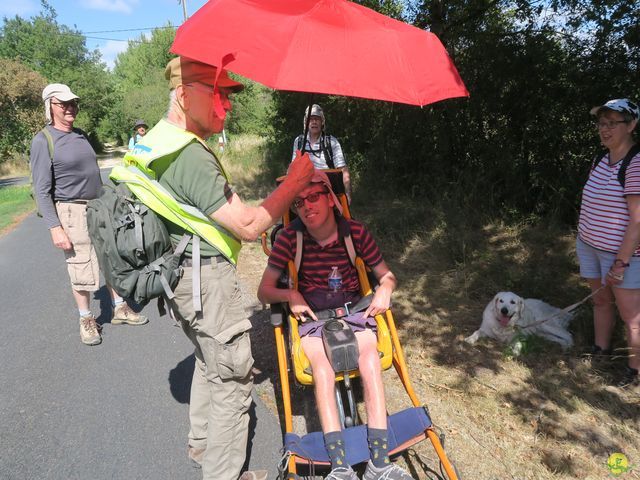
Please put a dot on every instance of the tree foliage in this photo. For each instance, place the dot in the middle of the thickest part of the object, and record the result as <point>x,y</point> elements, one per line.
<point>140,87</point>
<point>59,54</point>
<point>522,142</point>
<point>21,110</point>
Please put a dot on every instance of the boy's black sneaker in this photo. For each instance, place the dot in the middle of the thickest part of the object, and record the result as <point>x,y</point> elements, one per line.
<point>630,379</point>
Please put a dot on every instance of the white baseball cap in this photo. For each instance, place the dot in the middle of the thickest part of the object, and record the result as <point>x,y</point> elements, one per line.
<point>316,111</point>
<point>622,105</point>
<point>59,91</point>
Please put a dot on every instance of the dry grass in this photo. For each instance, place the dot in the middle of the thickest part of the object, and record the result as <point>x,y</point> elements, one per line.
<point>14,167</point>
<point>548,414</point>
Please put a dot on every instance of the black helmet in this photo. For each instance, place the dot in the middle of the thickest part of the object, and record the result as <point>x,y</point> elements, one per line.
<point>140,123</point>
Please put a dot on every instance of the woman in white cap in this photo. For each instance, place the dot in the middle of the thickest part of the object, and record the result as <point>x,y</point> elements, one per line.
<point>65,176</point>
<point>324,150</point>
<point>609,232</point>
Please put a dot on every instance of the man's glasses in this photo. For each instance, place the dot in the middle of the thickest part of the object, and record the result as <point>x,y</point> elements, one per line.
<point>312,198</point>
<point>67,105</point>
<point>609,125</point>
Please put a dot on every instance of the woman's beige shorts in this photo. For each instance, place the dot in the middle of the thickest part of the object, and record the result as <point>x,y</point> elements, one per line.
<point>82,262</point>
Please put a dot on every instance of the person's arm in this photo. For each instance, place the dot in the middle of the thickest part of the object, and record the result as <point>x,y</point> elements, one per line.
<point>248,222</point>
<point>386,285</point>
<point>132,143</point>
<point>346,180</point>
<point>630,241</point>
<point>268,292</point>
<point>340,162</point>
<point>295,149</point>
<point>42,178</point>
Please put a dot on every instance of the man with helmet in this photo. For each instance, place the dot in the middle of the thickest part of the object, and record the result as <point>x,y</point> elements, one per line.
<point>139,130</point>
<point>324,150</point>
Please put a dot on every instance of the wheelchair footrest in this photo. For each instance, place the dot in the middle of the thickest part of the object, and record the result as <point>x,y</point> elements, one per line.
<point>402,427</point>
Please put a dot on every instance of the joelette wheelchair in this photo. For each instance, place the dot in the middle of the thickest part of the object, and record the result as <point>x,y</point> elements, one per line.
<point>405,428</point>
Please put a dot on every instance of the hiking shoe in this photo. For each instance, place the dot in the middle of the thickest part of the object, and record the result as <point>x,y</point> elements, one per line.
<point>196,456</point>
<point>254,475</point>
<point>597,351</point>
<point>342,473</point>
<point>599,357</point>
<point>123,313</point>
<point>89,330</point>
<point>389,472</point>
<point>630,379</point>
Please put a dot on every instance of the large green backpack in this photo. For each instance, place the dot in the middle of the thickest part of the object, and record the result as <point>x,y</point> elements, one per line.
<point>133,246</point>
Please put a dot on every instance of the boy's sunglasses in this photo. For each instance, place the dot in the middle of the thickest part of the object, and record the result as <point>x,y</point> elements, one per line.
<point>312,197</point>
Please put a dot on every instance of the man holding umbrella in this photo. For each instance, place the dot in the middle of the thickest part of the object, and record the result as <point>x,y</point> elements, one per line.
<point>176,151</point>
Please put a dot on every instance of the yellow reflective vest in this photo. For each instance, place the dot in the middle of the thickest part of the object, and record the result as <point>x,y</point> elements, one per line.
<point>148,160</point>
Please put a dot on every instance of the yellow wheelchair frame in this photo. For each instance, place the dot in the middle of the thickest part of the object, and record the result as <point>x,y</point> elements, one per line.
<point>388,345</point>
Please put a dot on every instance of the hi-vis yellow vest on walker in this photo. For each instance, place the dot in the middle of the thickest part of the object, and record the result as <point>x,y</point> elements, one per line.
<point>148,160</point>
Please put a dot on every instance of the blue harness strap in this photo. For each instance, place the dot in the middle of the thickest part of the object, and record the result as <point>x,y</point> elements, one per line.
<point>402,427</point>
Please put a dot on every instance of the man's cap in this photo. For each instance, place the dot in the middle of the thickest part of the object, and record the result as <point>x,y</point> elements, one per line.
<point>183,70</point>
<point>59,91</point>
<point>320,177</point>
<point>140,123</point>
<point>316,111</point>
<point>622,105</point>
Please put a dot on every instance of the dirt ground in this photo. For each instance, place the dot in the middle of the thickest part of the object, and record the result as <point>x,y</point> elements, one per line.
<point>544,416</point>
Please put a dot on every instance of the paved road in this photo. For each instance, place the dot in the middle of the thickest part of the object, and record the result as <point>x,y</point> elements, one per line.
<point>114,411</point>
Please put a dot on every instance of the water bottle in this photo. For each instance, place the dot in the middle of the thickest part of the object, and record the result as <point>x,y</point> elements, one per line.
<point>335,280</point>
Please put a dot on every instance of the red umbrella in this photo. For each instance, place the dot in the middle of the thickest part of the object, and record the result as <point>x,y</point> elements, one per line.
<point>324,46</point>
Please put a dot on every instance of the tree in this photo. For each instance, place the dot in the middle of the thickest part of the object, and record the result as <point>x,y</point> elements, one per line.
<point>523,140</point>
<point>59,54</point>
<point>140,89</point>
<point>21,108</point>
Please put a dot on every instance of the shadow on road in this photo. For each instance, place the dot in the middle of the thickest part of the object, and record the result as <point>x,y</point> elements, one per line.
<point>253,421</point>
<point>104,299</point>
<point>180,379</point>
<point>180,386</point>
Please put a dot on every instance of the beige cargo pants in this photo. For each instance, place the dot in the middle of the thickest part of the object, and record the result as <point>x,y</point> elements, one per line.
<point>222,379</point>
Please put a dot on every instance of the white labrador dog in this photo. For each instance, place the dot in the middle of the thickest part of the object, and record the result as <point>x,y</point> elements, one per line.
<point>508,314</point>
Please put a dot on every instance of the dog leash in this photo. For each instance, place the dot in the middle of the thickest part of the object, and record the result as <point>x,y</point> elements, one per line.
<point>568,309</point>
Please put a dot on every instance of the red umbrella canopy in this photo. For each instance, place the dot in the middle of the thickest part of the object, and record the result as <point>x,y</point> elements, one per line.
<point>324,46</point>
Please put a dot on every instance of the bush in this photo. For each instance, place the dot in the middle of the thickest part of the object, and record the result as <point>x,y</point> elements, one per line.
<point>21,107</point>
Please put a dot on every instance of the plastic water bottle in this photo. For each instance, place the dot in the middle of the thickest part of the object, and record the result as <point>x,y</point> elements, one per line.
<point>335,280</point>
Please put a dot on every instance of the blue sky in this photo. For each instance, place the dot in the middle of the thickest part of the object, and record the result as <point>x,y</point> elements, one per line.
<point>107,16</point>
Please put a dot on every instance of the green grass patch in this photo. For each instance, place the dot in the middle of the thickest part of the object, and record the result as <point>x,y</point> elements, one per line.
<point>14,202</point>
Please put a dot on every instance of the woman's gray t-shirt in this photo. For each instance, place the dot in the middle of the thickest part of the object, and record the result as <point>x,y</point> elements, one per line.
<point>76,171</point>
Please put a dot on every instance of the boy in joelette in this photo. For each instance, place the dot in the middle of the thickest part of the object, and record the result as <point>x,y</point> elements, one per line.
<point>323,229</point>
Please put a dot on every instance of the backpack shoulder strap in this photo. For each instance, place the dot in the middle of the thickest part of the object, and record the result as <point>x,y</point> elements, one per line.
<point>597,159</point>
<point>299,142</point>
<point>351,249</point>
<point>299,246</point>
<point>79,131</point>
<point>347,239</point>
<point>47,135</point>
<point>328,150</point>
<point>622,172</point>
